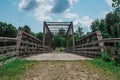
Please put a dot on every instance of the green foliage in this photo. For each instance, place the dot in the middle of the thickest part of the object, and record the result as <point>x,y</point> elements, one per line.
<point>61,32</point>
<point>7,30</point>
<point>76,37</point>
<point>116,5</point>
<point>109,26</point>
<point>105,56</point>
<point>107,68</point>
<point>5,58</point>
<point>95,25</point>
<point>70,42</point>
<point>14,69</point>
<point>59,40</point>
<point>56,42</point>
<point>79,32</point>
<point>1,52</point>
<point>25,28</point>
<point>63,42</point>
<point>39,35</point>
<point>117,59</point>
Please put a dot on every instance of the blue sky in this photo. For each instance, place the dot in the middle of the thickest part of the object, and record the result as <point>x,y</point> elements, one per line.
<point>34,12</point>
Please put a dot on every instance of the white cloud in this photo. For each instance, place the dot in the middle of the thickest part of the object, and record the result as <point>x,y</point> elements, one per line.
<point>22,4</point>
<point>42,8</point>
<point>41,17</point>
<point>59,20</point>
<point>40,11</point>
<point>73,2</point>
<point>70,15</point>
<point>109,2</point>
<point>103,13</point>
<point>84,21</point>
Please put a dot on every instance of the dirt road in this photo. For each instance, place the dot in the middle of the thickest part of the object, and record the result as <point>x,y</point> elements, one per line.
<point>64,70</point>
<point>57,56</point>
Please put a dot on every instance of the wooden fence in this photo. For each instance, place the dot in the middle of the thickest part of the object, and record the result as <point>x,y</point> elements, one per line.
<point>27,44</point>
<point>24,44</point>
<point>93,45</point>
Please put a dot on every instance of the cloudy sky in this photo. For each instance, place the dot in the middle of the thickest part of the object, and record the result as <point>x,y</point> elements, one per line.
<point>34,12</point>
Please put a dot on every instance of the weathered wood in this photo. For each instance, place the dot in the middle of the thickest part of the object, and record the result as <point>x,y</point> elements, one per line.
<point>24,44</point>
<point>90,47</point>
<point>7,39</point>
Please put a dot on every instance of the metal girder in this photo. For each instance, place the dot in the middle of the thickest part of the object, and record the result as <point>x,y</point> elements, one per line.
<point>58,23</point>
<point>55,30</point>
<point>48,26</point>
<point>56,27</point>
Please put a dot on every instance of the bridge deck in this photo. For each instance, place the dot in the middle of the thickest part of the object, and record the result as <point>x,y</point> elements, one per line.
<point>57,56</point>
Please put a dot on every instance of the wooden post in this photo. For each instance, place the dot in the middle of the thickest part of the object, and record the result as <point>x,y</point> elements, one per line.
<point>19,36</point>
<point>99,37</point>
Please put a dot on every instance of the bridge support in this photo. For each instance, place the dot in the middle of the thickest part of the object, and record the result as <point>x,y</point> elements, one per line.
<point>47,33</point>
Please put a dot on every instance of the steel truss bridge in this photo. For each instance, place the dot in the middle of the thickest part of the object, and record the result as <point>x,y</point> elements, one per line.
<point>24,44</point>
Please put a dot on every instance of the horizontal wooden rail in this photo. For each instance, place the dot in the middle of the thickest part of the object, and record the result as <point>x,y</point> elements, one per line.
<point>93,45</point>
<point>7,39</point>
<point>24,44</point>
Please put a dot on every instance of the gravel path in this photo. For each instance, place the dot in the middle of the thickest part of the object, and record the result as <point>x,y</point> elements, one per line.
<point>52,67</point>
<point>64,70</point>
<point>57,56</point>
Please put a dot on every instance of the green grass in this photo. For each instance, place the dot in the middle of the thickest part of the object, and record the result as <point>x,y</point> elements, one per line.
<point>107,68</point>
<point>5,58</point>
<point>15,69</point>
<point>59,49</point>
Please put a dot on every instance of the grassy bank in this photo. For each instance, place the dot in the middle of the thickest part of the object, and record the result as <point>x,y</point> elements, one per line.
<point>15,69</point>
<point>107,68</point>
<point>18,68</point>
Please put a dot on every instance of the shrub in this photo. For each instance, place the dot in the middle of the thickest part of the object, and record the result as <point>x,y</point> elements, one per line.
<point>105,56</point>
<point>117,59</point>
<point>61,49</point>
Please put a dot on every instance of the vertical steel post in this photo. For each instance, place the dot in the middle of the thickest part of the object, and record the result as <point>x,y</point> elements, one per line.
<point>73,34</point>
<point>44,27</point>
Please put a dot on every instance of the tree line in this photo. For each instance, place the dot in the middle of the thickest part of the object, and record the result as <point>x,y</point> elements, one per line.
<point>110,25</point>
<point>8,30</point>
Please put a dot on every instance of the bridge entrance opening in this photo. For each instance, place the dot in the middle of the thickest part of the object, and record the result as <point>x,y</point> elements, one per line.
<point>50,29</point>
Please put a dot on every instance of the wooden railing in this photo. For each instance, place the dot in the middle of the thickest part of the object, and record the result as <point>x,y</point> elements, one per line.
<point>93,45</point>
<point>27,44</point>
<point>7,48</point>
<point>24,44</point>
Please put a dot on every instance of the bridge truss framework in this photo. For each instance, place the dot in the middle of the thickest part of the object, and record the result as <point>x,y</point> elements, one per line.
<point>47,32</point>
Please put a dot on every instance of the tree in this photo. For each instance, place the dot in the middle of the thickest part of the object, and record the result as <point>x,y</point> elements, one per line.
<point>39,35</point>
<point>95,25</point>
<point>63,42</point>
<point>56,42</point>
<point>26,29</point>
<point>102,28</point>
<point>7,30</point>
<point>112,19</point>
<point>61,32</point>
<point>108,26</point>
<point>116,5</point>
<point>79,32</point>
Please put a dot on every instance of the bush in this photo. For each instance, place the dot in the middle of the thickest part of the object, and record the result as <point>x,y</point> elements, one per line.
<point>117,59</point>
<point>61,49</point>
<point>105,56</point>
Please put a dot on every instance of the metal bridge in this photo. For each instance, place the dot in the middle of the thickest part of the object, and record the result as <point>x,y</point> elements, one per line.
<point>24,44</point>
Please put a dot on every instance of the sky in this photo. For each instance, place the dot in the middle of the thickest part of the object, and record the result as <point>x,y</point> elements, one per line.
<point>34,12</point>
